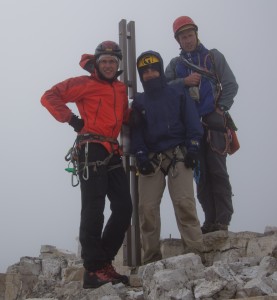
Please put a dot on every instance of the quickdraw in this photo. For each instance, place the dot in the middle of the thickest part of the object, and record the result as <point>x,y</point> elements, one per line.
<point>72,158</point>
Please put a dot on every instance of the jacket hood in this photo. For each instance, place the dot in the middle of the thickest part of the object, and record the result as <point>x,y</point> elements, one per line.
<point>87,62</point>
<point>152,84</point>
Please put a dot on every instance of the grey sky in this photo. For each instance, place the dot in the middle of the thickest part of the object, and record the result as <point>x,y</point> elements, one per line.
<point>41,44</point>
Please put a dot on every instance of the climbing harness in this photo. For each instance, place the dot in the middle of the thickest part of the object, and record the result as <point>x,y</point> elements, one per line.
<point>158,158</point>
<point>77,168</point>
<point>84,166</point>
<point>93,137</point>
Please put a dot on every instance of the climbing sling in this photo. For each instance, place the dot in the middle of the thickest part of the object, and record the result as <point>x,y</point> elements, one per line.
<point>213,128</point>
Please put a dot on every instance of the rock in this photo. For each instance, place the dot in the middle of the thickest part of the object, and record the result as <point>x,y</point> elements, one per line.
<point>236,265</point>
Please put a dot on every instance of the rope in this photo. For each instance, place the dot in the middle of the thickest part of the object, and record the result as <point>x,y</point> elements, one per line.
<point>227,143</point>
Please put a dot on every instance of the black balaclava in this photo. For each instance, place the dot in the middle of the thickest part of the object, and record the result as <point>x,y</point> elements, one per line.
<point>153,60</point>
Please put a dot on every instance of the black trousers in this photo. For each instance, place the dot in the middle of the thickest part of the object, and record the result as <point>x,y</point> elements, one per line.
<point>100,244</point>
<point>214,190</point>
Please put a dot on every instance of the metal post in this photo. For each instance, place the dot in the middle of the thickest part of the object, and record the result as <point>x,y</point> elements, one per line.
<point>131,245</point>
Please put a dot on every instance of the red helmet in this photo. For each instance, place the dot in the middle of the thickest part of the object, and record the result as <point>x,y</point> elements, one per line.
<point>181,22</point>
<point>108,47</point>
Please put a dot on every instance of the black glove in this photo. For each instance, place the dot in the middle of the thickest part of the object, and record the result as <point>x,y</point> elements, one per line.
<point>76,123</point>
<point>191,160</point>
<point>146,168</point>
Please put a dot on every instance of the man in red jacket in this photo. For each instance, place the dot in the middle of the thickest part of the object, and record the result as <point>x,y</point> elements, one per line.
<point>102,103</point>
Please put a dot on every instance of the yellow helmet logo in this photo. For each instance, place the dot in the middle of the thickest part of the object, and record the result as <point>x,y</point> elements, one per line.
<point>147,60</point>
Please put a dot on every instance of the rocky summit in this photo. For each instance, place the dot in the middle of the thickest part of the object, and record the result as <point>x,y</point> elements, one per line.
<point>232,266</point>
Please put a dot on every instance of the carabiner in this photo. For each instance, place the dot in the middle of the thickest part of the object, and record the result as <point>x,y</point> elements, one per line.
<point>85,169</point>
<point>69,154</point>
<point>72,179</point>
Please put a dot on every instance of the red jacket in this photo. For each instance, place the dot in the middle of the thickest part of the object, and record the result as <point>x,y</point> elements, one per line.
<point>102,105</point>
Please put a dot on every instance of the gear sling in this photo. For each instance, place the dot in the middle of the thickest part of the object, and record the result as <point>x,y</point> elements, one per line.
<point>228,126</point>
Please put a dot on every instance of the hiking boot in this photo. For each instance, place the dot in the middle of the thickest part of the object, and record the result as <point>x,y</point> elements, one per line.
<point>112,272</point>
<point>207,227</point>
<point>95,279</point>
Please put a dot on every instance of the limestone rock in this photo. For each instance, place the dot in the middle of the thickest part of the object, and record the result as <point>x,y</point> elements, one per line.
<point>232,266</point>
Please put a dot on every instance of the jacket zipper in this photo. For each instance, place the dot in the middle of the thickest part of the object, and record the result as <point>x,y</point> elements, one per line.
<point>114,110</point>
<point>99,104</point>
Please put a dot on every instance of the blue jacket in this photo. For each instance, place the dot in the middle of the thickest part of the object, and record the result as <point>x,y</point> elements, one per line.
<point>165,118</point>
<point>177,70</point>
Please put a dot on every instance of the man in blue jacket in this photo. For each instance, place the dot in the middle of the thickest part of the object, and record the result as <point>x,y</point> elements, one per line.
<point>207,79</point>
<point>166,132</point>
